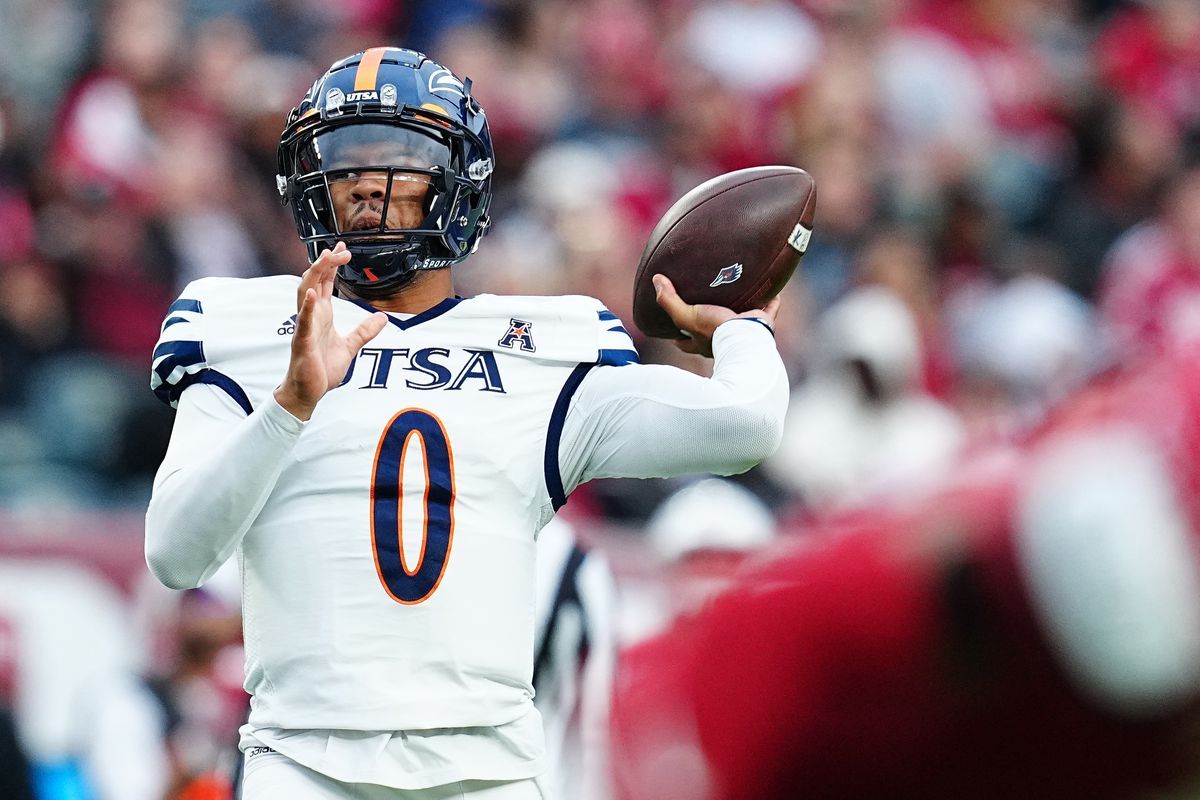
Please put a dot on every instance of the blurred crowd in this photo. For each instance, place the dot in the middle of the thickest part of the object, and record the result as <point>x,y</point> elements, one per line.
<point>1009,187</point>
<point>1008,204</point>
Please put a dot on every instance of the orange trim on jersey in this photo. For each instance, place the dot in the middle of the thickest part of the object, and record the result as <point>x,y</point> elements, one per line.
<point>368,69</point>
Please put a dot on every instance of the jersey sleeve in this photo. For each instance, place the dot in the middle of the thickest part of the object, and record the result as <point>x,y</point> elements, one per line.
<point>221,463</point>
<point>217,474</point>
<point>655,421</point>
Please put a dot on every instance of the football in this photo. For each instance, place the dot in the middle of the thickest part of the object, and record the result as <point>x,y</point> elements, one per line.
<point>733,241</point>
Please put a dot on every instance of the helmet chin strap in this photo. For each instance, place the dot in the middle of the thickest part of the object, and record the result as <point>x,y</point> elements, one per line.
<point>395,270</point>
<point>360,291</point>
<point>363,291</point>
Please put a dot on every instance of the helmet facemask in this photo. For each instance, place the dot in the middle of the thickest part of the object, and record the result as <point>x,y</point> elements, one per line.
<point>387,190</point>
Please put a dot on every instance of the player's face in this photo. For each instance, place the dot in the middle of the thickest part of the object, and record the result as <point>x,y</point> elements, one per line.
<point>380,176</point>
<point>358,197</point>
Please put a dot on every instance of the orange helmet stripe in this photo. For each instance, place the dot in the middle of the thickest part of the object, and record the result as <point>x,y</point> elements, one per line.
<point>368,69</point>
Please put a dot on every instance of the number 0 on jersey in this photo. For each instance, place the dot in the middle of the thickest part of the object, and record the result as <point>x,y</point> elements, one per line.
<point>404,585</point>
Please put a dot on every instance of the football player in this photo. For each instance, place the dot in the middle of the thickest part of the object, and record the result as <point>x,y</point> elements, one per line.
<point>379,454</point>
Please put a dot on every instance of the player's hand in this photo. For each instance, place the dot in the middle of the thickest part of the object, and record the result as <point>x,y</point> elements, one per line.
<point>320,355</point>
<point>699,322</point>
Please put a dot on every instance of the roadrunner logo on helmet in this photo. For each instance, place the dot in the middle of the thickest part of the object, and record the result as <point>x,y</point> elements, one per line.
<point>396,114</point>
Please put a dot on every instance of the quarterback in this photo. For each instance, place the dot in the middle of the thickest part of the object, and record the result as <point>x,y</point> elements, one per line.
<point>379,454</point>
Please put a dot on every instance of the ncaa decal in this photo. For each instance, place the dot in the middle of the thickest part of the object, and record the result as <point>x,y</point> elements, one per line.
<point>519,332</point>
<point>727,275</point>
<point>799,238</point>
<point>387,94</point>
<point>334,99</point>
<point>443,80</point>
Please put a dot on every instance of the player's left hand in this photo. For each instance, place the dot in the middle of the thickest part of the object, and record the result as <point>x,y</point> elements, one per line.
<point>699,322</point>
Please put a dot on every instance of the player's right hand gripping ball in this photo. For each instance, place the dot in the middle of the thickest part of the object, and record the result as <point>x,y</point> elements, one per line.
<point>733,241</point>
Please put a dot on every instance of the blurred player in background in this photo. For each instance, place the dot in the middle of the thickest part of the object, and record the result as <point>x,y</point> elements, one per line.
<point>1029,627</point>
<point>701,536</point>
<point>859,426</point>
<point>382,489</point>
<point>698,537</point>
<point>575,654</point>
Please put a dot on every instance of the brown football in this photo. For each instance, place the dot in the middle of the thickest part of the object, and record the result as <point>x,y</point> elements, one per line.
<point>733,241</point>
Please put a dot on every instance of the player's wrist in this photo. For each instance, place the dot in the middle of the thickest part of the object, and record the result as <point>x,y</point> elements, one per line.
<point>708,319</point>
<point>760,320</point>
<point>290,401</point>
<point>751,331</point>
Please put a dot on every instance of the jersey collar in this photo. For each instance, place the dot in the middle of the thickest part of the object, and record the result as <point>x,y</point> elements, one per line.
<point>416,319</point>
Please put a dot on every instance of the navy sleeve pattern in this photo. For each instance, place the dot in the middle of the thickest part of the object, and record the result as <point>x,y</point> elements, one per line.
<point>616,345</point>
<point>179,359</point>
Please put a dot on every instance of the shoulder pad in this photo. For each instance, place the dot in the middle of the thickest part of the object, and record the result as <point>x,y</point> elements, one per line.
<point>216,331</point>
<point>570,328</point>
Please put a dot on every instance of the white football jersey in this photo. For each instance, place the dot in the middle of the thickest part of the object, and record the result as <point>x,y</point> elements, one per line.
<point>394,558</point>
<point>387,545</point>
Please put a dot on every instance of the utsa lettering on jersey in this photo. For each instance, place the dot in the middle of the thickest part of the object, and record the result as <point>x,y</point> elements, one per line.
<point>379,454</point>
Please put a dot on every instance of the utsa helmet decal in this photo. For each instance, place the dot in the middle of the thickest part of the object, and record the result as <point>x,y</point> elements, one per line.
<point>407,125</point>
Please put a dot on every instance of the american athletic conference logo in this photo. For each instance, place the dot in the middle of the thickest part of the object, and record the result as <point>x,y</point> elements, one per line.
<point>519,332</point>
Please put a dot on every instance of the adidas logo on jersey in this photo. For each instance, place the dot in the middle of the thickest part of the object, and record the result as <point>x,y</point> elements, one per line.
<point>287,327</point>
